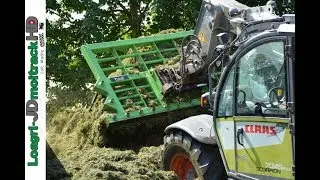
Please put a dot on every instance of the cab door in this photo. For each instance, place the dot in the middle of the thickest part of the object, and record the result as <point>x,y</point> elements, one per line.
<point>263,141</point>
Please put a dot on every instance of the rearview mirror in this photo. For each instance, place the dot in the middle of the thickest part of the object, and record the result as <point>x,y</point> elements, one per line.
<point>204,100</point>
<point>207,102</point>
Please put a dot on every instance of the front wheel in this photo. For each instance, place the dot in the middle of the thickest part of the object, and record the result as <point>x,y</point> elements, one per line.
<point>190,159</point>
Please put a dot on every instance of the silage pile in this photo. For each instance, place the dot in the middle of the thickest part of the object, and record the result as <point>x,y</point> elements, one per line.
<point>77,136</point>
<point>172,57</point>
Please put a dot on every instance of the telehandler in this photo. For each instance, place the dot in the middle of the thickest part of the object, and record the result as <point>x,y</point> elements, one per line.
<point>250,132</point>
<point>240,61</point>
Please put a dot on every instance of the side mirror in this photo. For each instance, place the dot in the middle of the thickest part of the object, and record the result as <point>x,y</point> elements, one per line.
<point>205,101</point>
<point>275,95</point>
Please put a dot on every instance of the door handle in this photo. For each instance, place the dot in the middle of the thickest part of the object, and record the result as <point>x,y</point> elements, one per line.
<point>239,132</point>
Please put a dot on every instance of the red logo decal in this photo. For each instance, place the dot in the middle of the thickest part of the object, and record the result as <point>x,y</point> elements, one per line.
<point>259,129</point>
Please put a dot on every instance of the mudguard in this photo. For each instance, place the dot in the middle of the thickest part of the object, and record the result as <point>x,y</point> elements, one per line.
<point>199,127</point>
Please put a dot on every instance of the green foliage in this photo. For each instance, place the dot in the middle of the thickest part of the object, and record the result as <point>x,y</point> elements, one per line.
<point>283,6</point>
<point>166,14</point>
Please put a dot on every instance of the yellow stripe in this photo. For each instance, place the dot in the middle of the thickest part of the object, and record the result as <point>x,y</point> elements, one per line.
<point>254,119</point>
<point>225,119</point>
<point>260,119</point>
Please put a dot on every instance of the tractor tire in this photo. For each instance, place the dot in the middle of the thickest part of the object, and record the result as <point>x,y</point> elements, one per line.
<point>190,159</point>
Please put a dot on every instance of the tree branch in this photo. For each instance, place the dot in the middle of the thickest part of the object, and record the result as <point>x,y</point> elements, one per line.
<point>52,12</point>
<point>125,10</point>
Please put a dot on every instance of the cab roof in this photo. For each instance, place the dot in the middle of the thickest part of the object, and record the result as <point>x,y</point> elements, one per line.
<point>286,28</point>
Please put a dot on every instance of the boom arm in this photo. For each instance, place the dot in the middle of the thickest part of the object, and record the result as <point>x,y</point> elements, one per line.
<point>219,22</point>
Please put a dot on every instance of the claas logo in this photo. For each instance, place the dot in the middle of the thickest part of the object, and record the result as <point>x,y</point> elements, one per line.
<point>259,129</point>
<point>31,28</point>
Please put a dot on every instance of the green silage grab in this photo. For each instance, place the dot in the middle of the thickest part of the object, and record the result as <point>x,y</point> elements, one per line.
<point>125,74</point>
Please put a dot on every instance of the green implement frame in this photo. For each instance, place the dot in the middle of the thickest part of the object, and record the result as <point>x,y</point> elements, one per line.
<point>125,75</point>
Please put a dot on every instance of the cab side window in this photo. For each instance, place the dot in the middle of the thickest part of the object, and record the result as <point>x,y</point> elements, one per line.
<point>260,72</point>
<point>225,107</point>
